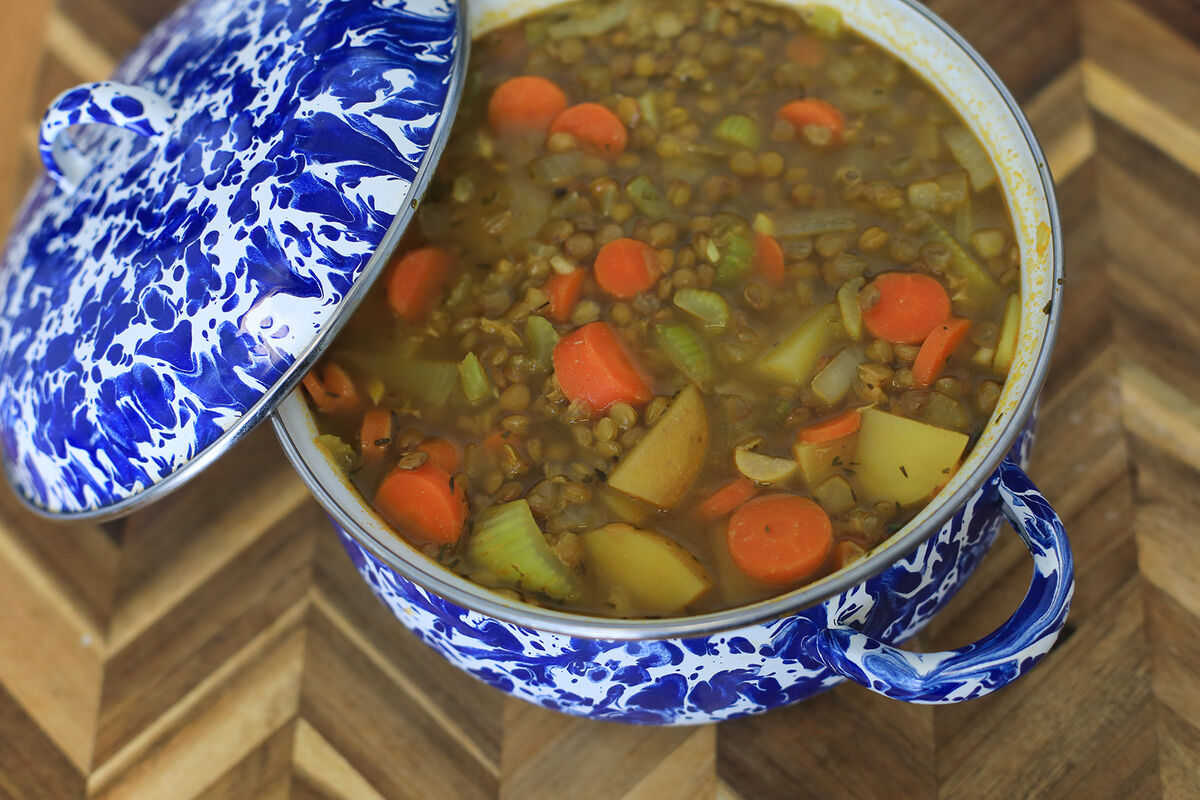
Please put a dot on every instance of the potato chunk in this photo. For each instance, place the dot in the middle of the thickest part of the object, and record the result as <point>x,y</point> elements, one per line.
<point>902,459</point>
<point>660,468</point>
<point>653,574</point>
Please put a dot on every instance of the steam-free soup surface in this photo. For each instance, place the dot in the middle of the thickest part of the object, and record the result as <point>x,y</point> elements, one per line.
<point>707,300</point>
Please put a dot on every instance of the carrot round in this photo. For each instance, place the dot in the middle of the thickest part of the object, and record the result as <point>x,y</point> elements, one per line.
<point>833,428</point>
<point>564,291</point>
<point>727,498</point>
<point>591,365</point>
<point>910,306</point>
<point>376,435</point>
<point>441,452</point>
<point>806,50</point>
<point>811,111</point>
<point>768,256</point>
<point>937,349</point>
<point>595,128</point>
<point>525,103</point>
<point>416,279</point>
<point>779,538</point>
<point>625,267</point>
<point>424,503</point>
<point>334,391</point>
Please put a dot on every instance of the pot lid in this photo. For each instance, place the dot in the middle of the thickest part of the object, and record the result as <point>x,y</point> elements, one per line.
<point>234,190</point>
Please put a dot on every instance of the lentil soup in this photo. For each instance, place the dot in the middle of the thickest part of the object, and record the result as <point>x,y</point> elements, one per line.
<point>706,300</point>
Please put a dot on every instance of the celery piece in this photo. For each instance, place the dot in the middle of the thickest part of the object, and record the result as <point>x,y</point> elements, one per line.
<point>847,300</point>
<point>686,350</point>
<point>737,257</point>
<point>425,381</point>
<point>461,290</point>
<point>606,17</point>
<point>475,382</point>
<point>811,223</point>
<point>739,130</point>
<point>542,339</point>
<point>826,22</point>
<point>648,106</point>
<point>973,285</point>
<point>763,224</point>
<point>962,221</point>
<point>557,169</point>
<point>705,305</point>
<point>507,542</point>
<point>794,360</point>
<point>971,156</point>
<point>648,200</point>
<point>340,453</point>
<point>1010,329</point>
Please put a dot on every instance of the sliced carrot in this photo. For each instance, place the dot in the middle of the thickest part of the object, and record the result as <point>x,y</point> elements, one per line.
<point>334,391</point>
<point>442,453</point>
<point>525,103</point>
<point>779,538</point>
<point>594,127</point>
<point>591,365</point>
<point>811,111</point>
<point>424,503</point>
<point>910,306</point>
<point>843,424</point>
<point>806,50</point>
<point>727,498</point>
<point>768,257</point>
<point>564,293</point>
<point>939,345</point>
<point>416,279</point>
<point>625,267</point>
<point>376,435</point>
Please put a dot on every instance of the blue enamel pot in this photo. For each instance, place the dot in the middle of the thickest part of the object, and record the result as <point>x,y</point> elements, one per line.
<point>240,183</point>
<point>846,626</point>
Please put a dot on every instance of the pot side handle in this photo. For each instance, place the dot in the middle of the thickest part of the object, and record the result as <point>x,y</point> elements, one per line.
<point>101,103</point>
<point>998,659</point>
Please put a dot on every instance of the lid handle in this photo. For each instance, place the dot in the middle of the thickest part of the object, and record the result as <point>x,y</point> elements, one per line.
<point>104,103</point>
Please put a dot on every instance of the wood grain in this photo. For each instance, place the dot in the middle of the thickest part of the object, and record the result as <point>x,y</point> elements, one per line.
<point>219,644</point>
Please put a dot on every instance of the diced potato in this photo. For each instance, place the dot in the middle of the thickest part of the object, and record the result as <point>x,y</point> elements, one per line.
<point>902,459</point>
<point>624,506</point>
<point>663,464</point>
<point>819,459</point>
<point>794,360</point>
<point>654,574</point>
<point>834,494</point>
<point>1010,329</point>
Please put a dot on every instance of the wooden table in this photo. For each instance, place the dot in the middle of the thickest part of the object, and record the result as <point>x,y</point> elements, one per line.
<point>219,645</point>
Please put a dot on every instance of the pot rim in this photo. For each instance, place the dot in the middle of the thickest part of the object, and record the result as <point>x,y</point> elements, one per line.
<point>440,581</point>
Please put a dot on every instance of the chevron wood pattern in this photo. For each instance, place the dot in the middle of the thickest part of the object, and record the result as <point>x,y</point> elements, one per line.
<point>219,645</point>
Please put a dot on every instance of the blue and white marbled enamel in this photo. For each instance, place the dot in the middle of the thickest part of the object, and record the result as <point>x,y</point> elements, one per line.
<point>210,222</point>
<point>763,666</point>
